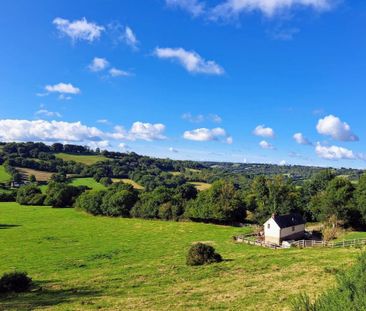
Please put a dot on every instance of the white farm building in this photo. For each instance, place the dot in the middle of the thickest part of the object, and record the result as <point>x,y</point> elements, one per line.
<point>283,228</point>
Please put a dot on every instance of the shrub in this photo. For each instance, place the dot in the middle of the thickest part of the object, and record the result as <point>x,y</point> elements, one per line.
<point>106,181</point>
<point>91,202</point>
<point>7,196</point>
<point>200,254</point>
<point>15,282</point>
<point>30,195</point>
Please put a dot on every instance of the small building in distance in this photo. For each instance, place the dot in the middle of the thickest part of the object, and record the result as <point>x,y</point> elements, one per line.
<point>281,228</point>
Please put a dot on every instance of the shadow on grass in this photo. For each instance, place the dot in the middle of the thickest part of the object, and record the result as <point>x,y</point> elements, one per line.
<point>4,226</point>
<point>42,296</point>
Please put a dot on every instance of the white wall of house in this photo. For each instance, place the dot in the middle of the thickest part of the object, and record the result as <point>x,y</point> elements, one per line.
<point>272,232</point>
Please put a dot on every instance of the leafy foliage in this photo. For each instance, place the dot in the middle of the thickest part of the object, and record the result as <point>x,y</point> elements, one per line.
<point>15,282</point>
<point>200,254</point>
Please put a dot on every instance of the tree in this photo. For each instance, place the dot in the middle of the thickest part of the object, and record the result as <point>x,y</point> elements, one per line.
<point>118,203</point>
<point>30,195</point>
<point>62,195</point>
<point>221,203</point>
<point>91,202</point>
<point>32,178</point>
<point>360,196</point>
<point>338,201</point>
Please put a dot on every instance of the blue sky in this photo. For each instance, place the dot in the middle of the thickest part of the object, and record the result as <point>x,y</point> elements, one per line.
<point>187,79</point>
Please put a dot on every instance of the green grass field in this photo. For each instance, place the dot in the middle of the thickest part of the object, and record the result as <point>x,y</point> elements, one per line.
<point>4,176</point>
<point>89,182</point>
<point>84,262</point>
<point>85,159</point>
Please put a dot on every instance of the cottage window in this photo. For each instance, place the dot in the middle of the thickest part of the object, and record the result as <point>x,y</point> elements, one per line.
<point>293,228</point>
<point>269,226</point>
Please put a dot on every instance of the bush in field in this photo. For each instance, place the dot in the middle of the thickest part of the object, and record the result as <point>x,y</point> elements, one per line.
<point>119,203</point>
<point>91,202</point>
<point>7,196</point>
<point>200,254</point>
<point>30,195</point>
<point>15,282</point>
<point>62,195</point>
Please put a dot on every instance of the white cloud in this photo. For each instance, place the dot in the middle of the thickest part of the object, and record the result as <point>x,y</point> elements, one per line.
<point>171,149</point>
<point>41,130</point>
<point>334,127</point>
<point>190,60</point>
<point>63,88</point>
<point>114,72</point>
<point>194,7</point>
<point>78,29</point>
<point>201,118</point>
<point>103,144</point>
<point>76,132</point>
<point>48,113</point>
<point>266,145</point>
<point>263,131</point>
<point>232,8</point>
<point>283,162</point>
<point>334,152</point>
<point>124,147</point>
<point>129,37</point>
<point>103,121</point>
<point>140,131</point>
<point>301,139</point>
<point>229,140</point>
<point>204,134</point>
<point>98,64</point>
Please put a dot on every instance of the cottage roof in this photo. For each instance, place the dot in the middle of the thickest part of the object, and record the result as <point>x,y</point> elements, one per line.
<point>289,220</point>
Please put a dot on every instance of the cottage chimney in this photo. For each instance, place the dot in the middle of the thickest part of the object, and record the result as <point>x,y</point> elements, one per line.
<point>273,215</point>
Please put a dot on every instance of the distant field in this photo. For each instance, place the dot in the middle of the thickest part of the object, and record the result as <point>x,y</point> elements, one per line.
<point>352,235</point>
<point>175,173</point>
<point>128,181</point>
<point>4,176</point>
<point>40,175</point>
<point>85,159</point>
<point>87,181</point>
<point>99,263</point>
<point>201,185</point>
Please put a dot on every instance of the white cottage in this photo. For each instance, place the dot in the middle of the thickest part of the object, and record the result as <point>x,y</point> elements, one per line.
<point>284,227</point>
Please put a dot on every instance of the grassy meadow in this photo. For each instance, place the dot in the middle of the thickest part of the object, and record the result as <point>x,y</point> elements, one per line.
<point>82,262</point>
<point>128,181</point>
<point>85,159</point>
<point>88,182</point>
<point>4,175</point>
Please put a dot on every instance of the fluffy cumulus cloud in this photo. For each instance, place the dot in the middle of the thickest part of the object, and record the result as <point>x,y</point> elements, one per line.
<point>75,132</point>
<point>140,131</point>
<point>129,37</point>
<point>41,130</point>
<point>63,88</point>
<point>193,7</point>
<point>264,131</point>
<point>301,139</point>
<point>233,8</point>
<point>334,152</point>
<point>98,64</point>
<point>266,145</point>
<point>190,60</point>
<point>205,134</point>
<point>79,29</point>
<point>336,128</point>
